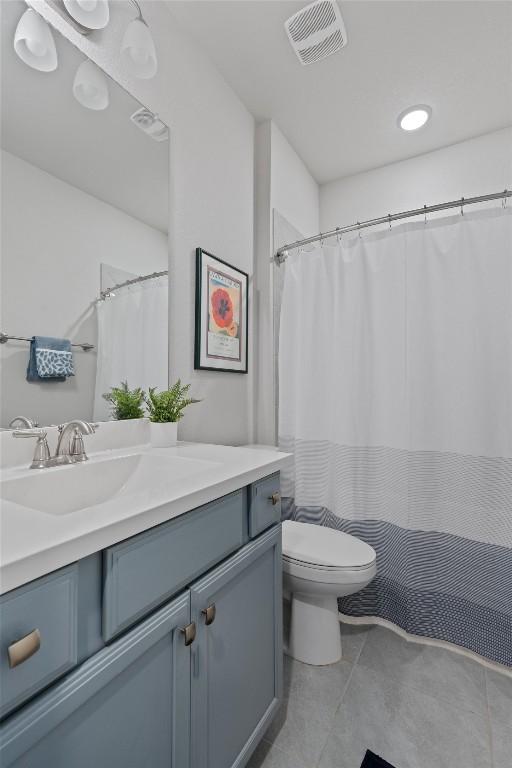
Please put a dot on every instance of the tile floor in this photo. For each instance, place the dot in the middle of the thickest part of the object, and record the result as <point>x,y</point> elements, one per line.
<point>415,705</point>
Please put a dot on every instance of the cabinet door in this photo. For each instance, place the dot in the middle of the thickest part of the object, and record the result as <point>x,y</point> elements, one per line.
<point>237,656</point>
<point>128,705</point>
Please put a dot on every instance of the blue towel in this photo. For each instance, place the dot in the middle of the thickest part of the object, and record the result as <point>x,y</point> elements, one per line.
<point>50,359</point>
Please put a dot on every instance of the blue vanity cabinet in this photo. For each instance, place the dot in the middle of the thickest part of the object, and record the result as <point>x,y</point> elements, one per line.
<point>144,571</point>
<point>264,504</point>
<point>40,618</point>
<point>191,674</point>
<point>128,705</point>
<point>236,678</point>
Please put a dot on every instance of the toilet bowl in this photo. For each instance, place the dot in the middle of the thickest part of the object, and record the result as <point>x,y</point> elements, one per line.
<point>319,565</point>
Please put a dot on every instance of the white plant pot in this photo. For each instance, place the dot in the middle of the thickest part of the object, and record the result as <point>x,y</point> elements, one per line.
<point>163,435</point>
<point>120,433</point>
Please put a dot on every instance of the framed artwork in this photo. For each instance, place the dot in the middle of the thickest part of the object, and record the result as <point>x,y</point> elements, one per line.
<point>221,332</point>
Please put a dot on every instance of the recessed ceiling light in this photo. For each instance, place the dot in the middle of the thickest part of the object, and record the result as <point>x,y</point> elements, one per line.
<point>414,117</point>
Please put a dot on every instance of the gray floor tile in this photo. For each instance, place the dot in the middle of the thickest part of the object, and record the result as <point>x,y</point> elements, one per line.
<point>267,755</point>
<point>435,671</point>
<point>318,684</point>
<point>501,745</point>
<point>499,691</point>
<point>301,728</point>
<point>404,726</point>
<point>353,637</point>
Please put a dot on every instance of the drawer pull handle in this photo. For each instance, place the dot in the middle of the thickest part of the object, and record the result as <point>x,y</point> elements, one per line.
<point>190,633</point>
<point>23,649</point>
<point>209,614</point>
<point>275,498</point>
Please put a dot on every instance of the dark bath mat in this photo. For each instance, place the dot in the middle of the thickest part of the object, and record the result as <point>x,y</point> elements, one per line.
<point>374,761</point>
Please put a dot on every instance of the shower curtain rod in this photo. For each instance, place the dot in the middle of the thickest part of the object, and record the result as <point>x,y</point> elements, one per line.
<point>282,253</point>
<point>108,292</point>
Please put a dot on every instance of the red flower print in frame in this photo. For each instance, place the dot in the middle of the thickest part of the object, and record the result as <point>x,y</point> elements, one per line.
<point>221,335</point>
<point>222,308</point>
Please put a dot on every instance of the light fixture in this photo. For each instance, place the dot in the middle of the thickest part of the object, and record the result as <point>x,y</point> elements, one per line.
<point>414,117</point>
<point>90,87</point>
<point>93,14</point>
<point>138,51</point>
<point>34,43</point>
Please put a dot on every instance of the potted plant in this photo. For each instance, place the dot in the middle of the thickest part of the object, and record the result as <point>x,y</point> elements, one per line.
<point>165,410</point>
<point>126,403</point>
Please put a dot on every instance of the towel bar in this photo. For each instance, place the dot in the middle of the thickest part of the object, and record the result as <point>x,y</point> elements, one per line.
<point>4,338</point>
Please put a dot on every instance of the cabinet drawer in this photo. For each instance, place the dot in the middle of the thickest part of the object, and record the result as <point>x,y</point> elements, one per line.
<point>144,571</point>
<point>264,504</point>
<point>42,613</point>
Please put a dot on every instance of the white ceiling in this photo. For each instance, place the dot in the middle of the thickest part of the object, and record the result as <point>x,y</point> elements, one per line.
<point>340,114</point>
<point>102,153</point>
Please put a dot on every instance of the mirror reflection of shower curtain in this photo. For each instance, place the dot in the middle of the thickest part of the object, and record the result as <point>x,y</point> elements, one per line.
<point>395,384</point>
<point>132,340</point>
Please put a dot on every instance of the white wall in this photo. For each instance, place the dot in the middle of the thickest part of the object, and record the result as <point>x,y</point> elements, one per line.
<point>282,183</point>
<point>294,192</point>
<point>54,238</point>
<point>470,168</point>
<point>211,202</point>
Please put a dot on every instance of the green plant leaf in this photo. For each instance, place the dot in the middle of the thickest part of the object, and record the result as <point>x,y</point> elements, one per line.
<point>126,403</point>
<point>168,406</point>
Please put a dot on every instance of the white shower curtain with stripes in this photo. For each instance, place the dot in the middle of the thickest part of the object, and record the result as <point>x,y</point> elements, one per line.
<point>395,396</point>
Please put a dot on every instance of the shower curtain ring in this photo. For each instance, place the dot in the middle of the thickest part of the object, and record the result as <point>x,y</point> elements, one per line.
<point>359,229</point>
<point>462,206</point>
<point>389,220</point>
<point>504,199</point>
<point>425,210</point>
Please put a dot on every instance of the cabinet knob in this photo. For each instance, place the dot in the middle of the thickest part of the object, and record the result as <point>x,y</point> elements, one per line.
<point>275,498</point>
<point>209,614</point>
<point>24,648</point>
<point>189,632</point>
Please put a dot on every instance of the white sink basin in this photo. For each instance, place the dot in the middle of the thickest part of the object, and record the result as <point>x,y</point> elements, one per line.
<point>67,489</point>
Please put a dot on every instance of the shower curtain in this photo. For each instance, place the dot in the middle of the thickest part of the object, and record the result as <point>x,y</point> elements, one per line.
<point>395,397</point>
<point>132,340</point>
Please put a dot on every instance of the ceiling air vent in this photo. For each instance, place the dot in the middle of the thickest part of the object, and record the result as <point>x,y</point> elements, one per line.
<point>316,31</point>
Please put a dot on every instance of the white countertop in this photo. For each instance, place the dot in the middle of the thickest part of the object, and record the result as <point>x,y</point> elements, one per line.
<point>34,543</point>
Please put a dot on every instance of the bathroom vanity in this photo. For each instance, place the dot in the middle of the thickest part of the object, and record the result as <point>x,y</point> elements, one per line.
<point>162,647</point>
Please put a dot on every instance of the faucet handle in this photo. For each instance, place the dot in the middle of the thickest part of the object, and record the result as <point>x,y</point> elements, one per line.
<point>77,448</point>
<point>42,451</point>
<point>30,432</point>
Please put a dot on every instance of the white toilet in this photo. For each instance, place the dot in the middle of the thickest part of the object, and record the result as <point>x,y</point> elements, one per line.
<point>319,565</point>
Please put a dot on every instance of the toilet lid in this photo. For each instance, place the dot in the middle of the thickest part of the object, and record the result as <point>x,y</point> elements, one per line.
<point>317,545</point>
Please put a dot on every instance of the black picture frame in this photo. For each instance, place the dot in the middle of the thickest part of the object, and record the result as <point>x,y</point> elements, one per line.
<point>206,342</point>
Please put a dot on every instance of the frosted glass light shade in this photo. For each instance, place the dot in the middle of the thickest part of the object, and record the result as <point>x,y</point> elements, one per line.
<point>90,87</point>
<point>34,43</point>
<point>93,14</point>
<point>138,52</point>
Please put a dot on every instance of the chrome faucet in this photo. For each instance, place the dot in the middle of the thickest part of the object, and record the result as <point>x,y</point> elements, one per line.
<point>70,447</point>
<point>71,441</point>
<point>42,457</point>
<point>23,421</point>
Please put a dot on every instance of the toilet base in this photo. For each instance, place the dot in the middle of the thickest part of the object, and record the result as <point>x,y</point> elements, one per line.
<point>315,629</point>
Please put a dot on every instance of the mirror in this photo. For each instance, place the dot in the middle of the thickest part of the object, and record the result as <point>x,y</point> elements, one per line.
<point>84,213</point>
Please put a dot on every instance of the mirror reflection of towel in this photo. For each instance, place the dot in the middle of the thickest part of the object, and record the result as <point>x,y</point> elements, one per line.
<point>50,359</point>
